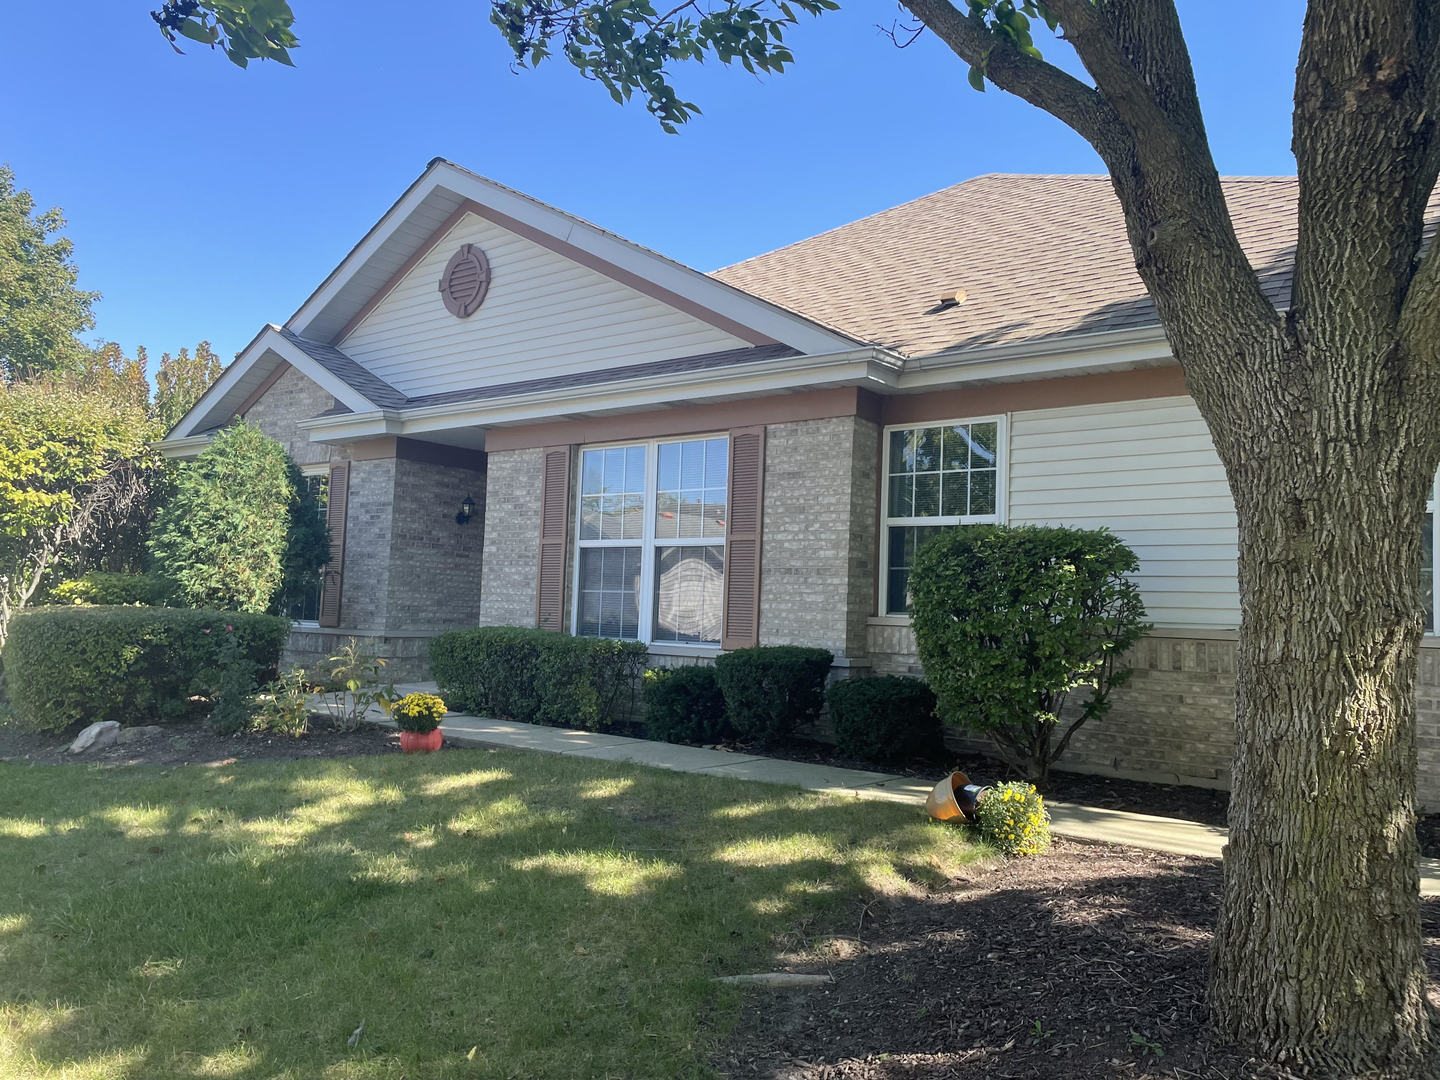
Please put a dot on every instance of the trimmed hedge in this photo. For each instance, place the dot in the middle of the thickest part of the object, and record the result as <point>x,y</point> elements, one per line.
<point>70,665</point>
<point>884,718</point>
<point>770,690</point>
<point>101,587</point>
<point>538,676</point>
<point>684,704</point>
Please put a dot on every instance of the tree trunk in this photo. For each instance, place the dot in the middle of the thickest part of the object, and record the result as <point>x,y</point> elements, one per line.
<point>1317,954</point>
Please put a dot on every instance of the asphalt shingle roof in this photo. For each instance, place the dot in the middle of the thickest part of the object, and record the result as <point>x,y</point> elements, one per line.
<point>347,370</point>
<point>1037,256</point>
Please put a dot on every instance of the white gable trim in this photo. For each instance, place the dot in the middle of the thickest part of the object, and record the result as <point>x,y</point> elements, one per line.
<point>241,378</point>
<point>445,185</point>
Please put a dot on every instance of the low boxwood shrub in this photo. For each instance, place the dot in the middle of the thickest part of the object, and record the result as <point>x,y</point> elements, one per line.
<point>684,704</point>
<point>138,665</point>
<point>884,718</point>
<point>106,589</point>
<point>770,690</point>
<point>538,676</point>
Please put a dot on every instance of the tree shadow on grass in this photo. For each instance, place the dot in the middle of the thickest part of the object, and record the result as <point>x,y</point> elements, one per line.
<point>560,917</point>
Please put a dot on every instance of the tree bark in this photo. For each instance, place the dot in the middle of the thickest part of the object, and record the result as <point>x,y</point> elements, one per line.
<point>1317,956</point>
<point>1327,419</point>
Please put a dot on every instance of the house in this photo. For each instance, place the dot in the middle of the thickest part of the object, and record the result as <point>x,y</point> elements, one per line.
<point>705,462</point>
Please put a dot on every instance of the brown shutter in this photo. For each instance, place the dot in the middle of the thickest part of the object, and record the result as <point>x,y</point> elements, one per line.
<point>554,523</point>
<point>741,619</point>
<point>339,499</point>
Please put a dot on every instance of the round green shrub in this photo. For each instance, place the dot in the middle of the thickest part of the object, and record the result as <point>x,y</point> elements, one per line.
<point>1022,631</point>
<point>771,690</point>
<point>1012,818</point>
<point>420,713</point>
<point>684,705</point>
<point>137,665</point>
<point>885,718</point>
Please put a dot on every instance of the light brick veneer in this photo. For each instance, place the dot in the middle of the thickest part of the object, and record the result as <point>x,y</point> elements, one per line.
<point>291,398</point>
<point>817,555</point>
<point>512,539</point>
<point>1174,721</point>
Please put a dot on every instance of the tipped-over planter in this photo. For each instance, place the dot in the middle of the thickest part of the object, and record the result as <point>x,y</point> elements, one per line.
<point>420,742</point>
<point>954,797</point>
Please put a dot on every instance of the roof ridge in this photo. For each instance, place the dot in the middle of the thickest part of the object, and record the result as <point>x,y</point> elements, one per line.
<point>951,189</point>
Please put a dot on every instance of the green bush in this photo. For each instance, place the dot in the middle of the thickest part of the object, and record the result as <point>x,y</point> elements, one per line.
<point>684,704</point>
<point>538,676</point>
<point>107,589</point>
<point>885,718</point>
<point>1010,621</point>
<point>241,525</point>
<point>771,690</point>
<point>138,665</point>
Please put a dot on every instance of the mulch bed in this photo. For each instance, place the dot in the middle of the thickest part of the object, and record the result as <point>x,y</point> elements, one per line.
<point>196,744</point>
<point>1087,963</point>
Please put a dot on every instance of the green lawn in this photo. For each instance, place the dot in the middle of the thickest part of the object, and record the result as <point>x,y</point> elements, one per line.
<point>487,914</point>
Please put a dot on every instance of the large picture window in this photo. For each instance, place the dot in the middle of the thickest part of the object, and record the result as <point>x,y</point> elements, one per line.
<point>935,475</point>
<point>651,541</point>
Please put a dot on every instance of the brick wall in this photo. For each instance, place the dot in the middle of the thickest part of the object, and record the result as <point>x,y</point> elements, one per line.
<point>293,397</point>
<point>435,564</point>
<point>365,589</point>
<point>1174,722</point>
<point>512,538</point>
<point>409,569</point>
<point>818,545</point>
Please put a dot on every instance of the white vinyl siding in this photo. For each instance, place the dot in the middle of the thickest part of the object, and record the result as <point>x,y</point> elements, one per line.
<point>543,316</point>
<point>1148,470</point>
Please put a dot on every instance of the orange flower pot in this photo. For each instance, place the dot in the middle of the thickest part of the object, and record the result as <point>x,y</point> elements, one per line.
<point>954,797</point>
<point>420,742</point>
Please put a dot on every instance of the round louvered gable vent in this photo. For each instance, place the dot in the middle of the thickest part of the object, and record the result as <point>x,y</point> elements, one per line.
<point>465,281</point>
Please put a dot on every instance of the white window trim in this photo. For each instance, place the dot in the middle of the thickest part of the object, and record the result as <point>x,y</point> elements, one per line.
<point>318,468</point>
<point>1002,498</point>
<point>645,600</point>
<point>1430,508</point>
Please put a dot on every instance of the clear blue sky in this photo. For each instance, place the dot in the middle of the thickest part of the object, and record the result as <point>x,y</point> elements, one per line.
<point>205,201</point>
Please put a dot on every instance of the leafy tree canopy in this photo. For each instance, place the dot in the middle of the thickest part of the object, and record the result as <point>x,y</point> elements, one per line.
<point>181,379</point>
<point>74,462</point>
<point>244,30</point>
<point>41,309</point>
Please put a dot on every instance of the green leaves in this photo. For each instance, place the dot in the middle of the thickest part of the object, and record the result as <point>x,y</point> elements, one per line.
<point>626,45</point>
<point>1010,24</point>
<point>226,535</point>
<point>244,29</point>
<point>41,310</point>
<point>1010,621</point>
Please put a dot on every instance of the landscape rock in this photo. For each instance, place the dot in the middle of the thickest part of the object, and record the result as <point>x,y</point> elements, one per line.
<point>101,733</point>
<point>141,731</point>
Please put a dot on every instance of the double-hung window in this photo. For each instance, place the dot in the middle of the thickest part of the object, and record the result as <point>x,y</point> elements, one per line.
<point>650,556</point>
<point>936,475</point>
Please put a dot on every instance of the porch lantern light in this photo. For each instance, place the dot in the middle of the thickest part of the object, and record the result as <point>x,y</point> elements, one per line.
<point>467,511</point>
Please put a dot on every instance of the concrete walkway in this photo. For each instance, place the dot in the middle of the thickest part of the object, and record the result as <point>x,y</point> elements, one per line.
<point>1067,819</point>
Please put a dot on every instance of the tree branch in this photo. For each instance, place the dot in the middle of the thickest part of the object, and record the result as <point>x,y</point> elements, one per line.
<point>1042,84</point>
